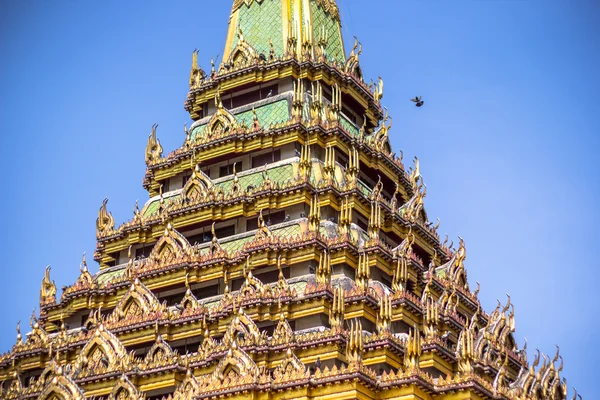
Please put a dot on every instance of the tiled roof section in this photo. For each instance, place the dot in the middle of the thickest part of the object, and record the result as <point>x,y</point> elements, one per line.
<point>278,172</point>
<point>236,242</point>
<point>268,112</point>
<point>322,19</point>
<point>261,22</point>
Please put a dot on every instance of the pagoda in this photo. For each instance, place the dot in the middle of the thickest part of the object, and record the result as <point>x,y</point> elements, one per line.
<point>284,252</point>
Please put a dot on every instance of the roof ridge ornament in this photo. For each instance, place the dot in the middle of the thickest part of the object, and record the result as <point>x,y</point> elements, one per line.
<point>105,223</point>
<point>154,149</point>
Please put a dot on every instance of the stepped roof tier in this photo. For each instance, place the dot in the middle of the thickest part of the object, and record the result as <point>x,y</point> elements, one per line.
<point>284,252</point>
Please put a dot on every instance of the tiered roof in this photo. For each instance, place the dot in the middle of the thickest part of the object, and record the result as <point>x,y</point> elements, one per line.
<point>306,267</point>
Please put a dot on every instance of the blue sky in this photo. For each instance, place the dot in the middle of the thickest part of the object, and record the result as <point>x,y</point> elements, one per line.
<point>507,138</point>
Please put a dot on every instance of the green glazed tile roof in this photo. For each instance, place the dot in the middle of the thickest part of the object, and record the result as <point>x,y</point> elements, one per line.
<point>278,173</point>
<point>348,125</point>
<point>272,113</point>
<point>236,242</point>
<point>260,23</point>
<point>335,48</point>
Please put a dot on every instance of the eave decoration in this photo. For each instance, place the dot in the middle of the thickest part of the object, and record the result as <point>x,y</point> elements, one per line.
<point>138,301</point>
<point>170,246</point>
<point>48,290</point>
<point>222,120</point>
<point>58,384</point>
<point>105,223</point>
<point>154,149</point>
<point>103,353</point>
<point>125,390</point>
<point>243,53</point>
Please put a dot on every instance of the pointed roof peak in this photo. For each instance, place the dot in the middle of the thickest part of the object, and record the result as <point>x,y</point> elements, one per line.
<point>284,28</point>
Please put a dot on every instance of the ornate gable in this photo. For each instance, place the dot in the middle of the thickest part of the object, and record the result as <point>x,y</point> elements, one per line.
<point>58,385</point>
<point>102,353</point>
<point>198,187</point>
<point>222,121</point>
<point>171,246</point>
<point>236,366</point>
<point>138,301</point>
<point>290,369</point>
<point>242,325</point>
<point>125,390</point>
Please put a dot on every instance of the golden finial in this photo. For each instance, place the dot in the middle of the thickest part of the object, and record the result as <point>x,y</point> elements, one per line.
<point>187,282</point>
<point>83,267</point>
<point>19,337</point>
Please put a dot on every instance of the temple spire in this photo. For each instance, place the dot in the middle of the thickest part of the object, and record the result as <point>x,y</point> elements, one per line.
<point>284,28</point>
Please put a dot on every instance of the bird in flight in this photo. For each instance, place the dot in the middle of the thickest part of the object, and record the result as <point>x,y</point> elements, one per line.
<point>418,101</point>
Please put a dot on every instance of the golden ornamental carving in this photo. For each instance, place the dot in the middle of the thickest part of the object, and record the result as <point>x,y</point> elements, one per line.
<point>235,367</point>
<point>57,384</point>
<point>242,326</point>
<point>352,63</point>
<point>48,290</point>
<point>243,54</point>
<point>355,346</point>
<point>125,390</point>
<point>138,302</point>
<point>291,369</point>
<point>222,121</point>
<point>198,187</point>
<point>171,246</point>
<point>101,354</point>
<point>154,149</point>
<point>105,223</point>
<point>283,333</point>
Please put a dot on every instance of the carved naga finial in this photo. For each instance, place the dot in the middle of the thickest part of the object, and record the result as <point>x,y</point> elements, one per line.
<point>48,291</point>
<point>83,266</point>
<point>105,222</point>
<point>153,149</point>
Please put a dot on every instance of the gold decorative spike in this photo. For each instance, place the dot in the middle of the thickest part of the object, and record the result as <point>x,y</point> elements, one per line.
<point>337,310</point>
<point>402,255</point>
<point>355,346</point>
<point>352,66</point>
<point>316,105</point>
<point>305,160</point>
<point>282,283</point>
<point>314,217</point>
<point>153,149</point>
<point>324,268</point>
<point>384,317</point>
<point>214,243</point>
<point>352,169</point>
<point>197,75</point>
<point>19,336</point>
<point>412,353</point>
<point>330,163</point>
<point>298,100</point>
<point>263,231</point>
<point>235,187</point>
<point>378,94</point>
<point>465,353</point>
<point>255,121</point>
<point>363,271</point>
<point>48,290</point>
<point>394,201</point>
<point>374,220</point>
<point>322,44</point>
<point>105,222</point>
<point>345,218</point>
